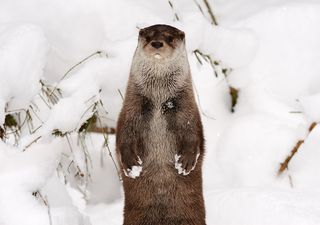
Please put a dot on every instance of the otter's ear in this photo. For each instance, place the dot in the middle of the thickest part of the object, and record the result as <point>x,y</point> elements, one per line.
<point>141,32</point>
<point>181,35</point>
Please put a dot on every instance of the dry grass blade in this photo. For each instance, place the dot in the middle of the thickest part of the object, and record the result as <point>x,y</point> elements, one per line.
<point>208,59</point>
<point>73,67</point>
<point>31,143</point>
<point>2,133</point>
<point>45,201</point>
<point>217,70</point>
<point>50,95</point>
<point>106,146</point>
<point>174,11</point>
<point>234,93</point>
<point>213,18</point>
<point>121,95</point>
<point>199,7</point>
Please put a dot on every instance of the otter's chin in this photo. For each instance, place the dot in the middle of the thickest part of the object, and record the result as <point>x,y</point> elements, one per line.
<point>157,56</point>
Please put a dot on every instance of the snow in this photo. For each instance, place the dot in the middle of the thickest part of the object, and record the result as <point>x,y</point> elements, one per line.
<point>263,206</point>
<point>23,52</point>
<point>22,173</point>
<point>178,165</point>
<point>281,41</point>
<point>135,171</point>
<point>253,140</point>
<point>310,105</point>
<point>272,49</point>
<point>233,47</point>
<point>304,165</point>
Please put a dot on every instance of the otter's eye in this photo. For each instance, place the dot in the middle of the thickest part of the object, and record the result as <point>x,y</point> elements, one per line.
<point>170,39</point>
<point>148,39</point>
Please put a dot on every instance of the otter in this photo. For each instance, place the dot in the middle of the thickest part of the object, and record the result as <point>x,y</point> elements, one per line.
<point>159,135</point>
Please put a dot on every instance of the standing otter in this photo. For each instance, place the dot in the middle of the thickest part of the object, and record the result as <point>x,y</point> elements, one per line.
<point>159,141</point>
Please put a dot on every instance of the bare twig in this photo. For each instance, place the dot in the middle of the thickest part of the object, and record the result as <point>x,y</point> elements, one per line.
<point>106,130</point>
<point>285,163</point>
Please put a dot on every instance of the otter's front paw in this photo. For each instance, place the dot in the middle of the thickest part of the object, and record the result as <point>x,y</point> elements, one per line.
<point>132,167</point>
<point>186,163</point>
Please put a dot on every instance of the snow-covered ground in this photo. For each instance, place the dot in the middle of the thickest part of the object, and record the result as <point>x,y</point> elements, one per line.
<point>53,174</point>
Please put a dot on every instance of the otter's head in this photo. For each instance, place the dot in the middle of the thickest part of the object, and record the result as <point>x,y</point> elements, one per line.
<point>161,42</point>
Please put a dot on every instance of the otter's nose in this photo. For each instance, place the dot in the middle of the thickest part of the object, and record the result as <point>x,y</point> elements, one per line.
<point>156,44</point>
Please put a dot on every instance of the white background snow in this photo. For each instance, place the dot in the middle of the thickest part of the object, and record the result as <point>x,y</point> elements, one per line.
<point>273,50</point>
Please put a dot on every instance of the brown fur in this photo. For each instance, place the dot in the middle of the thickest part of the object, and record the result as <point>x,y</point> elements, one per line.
<point>155,133</point>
